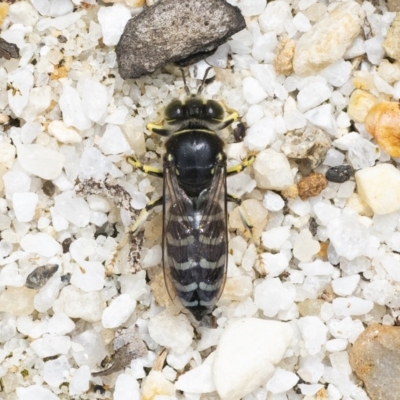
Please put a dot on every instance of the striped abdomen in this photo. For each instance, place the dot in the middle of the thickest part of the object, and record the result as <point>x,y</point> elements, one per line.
<point>196,256</point>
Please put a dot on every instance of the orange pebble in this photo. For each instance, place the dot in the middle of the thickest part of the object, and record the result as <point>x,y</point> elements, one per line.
<point>383,123</point>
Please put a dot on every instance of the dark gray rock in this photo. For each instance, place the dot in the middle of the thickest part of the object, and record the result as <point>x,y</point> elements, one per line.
<point>181,31</point>
<point>40,276</point>
<point>339,174</point>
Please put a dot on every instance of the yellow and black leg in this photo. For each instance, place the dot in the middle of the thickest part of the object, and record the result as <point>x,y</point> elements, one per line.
<point>148,169</point>
<point>159,129</point>
<point>240,167</point>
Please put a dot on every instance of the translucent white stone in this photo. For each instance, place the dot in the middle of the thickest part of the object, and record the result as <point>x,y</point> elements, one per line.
<point>94,99</point>
<point>56,371</point>
<point>346,285</point>
<point>40,243</point>
<point>80,381</point>
<point>41,161</point>
<point>72,108</point>
<point>24,205</point>
<point>314,333</point>
<point>282,381</point>
<point>252,91</point>
<point>118,311</point>
<point>126,388</point>
<point>35,392</point>
<point>74,209</point>
<point>275,16</point>
<point>351,306</point>
<point>112,21</point>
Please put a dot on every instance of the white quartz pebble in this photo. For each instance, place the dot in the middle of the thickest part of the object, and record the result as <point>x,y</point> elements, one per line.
<point>24,205</point>
<point>379,187</point>
<point>113,141</point>
<point>76,303</point>
<point>348,236</point>
<point>272,170</point>
<point>314,333</point>
<point>305,246</point>
<point>312,95</point>
<point>260,135</point>
<point>272,201</point>
<point>72,108</point>
<point>80,381</point>
<point>199,379</point>
<point>173,332</point>
<point>118,311</point>
<point>55,371</point>
<point>346,285</point>
<point>282,381</point>
<point>35,392</point>
<point>271,297</point>
<point>60,324</point>
<point>95,100</point>
<point>88,276</point>
<point>274,238</point>
<point>252,90</point>
<point>74,209</point>
<point>40,243</point>
<point>40,161</point>
<point>252,7</point>
<point>246,354</point>
<point>126,388</point>
<point>51,345</point>
<point>275,16</point>
<point>344,307</point>
<point>112,21</point>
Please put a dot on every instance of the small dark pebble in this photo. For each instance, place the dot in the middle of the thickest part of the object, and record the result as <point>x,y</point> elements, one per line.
<point>239,132</point>
<point>8,50</point>
<point>39,277</point>
<point>100,389</point>
<point>313,226</point>
<point>49,188</point>
<point>339,174</point>
<point>182,32</point>
<point>62,39</point>
<point>65,245</point>
<point>65,279</point>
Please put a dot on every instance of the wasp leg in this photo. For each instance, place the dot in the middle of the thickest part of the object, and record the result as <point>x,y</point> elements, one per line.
<point>144,215</point>
<point>159,129</point>
<point>243,213</point>
<point>240,167</point>
<point>148,169</point>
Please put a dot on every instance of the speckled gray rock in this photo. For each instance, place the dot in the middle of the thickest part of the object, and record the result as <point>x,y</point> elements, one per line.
<point>175,31</point>
<point>375,358</point>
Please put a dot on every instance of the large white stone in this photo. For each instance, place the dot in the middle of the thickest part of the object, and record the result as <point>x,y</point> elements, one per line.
<point>246,354</point>
<point>40,161</point>
<point>40,243</point>
<point>275,17</point>
<point>379,187</point>
<point>328,39</point>
<point>272,170</point>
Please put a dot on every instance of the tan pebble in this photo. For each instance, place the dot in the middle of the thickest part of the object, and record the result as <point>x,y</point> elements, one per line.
<point>383,123</point>
<point>4,118</point>
<point>363,80</point>
<point>291,192</point>
<point>323,250</point>
<point>58,73</point>
<point>375,358</point>
<point>157,385</point>
<point>328,295</point>
<point>160,292</point>
<point>3,170</point>
<point>311,185</point>
<point>388,71</point>
<point>3,12</point>
<point>322,394</point>
<point>391,44</point>
<point>17,300</point>
<point>393,5</point>
<point>360,103</point>
<point>356,203</point>
<point>310,307</point>
<point>283,61</point>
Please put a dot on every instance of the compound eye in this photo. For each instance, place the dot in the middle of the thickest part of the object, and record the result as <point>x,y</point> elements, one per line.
<point>214,110</point>
<point>173,111</point>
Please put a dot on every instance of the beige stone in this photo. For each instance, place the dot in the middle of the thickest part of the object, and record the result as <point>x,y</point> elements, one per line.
<point>17,301</point>
<point>283,62</point>
<point>391,44</point>
<point>328,39</point>
<point>379,187</point>
<point>360,103</point>
<point>375,358</point>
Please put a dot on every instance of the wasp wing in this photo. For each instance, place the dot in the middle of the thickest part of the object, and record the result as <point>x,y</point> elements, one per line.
<point>195,242</point>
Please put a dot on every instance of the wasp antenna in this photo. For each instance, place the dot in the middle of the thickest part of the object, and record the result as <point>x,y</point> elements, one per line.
<point>187,90</point>
<point>203,82</point>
